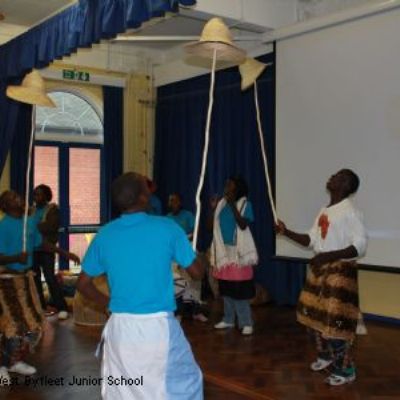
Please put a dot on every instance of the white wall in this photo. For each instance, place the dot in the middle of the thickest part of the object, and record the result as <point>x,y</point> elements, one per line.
<point>338,105</point>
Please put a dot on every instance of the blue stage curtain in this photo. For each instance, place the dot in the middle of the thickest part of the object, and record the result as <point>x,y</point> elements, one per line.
<point>234,150</point>
<point>113,143</point>
<point>81,25</point>
<point>9,111</point>
<point>20,149</point>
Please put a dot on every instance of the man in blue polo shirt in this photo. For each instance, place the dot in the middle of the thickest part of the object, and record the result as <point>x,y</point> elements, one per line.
<point>144,345</point>
<point>21,314</point>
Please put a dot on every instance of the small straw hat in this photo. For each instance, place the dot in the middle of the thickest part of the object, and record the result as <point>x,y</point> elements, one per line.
<point>250,70</point>
<point>216,36</point>
<point>31,91</point>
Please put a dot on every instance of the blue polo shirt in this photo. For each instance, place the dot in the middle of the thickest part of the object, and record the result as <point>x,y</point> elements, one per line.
<point>11,239</point>
<point>228,223</point>
<point>185,219</point>
<point>136,251</point>
<point>155,207</point>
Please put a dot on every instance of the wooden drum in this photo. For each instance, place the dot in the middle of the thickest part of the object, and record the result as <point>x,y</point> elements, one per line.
<point>88,313</point>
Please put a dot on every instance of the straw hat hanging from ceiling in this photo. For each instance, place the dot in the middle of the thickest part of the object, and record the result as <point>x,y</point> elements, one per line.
<point>250,70</point>
<point>31,91</point>
<point>216,36</point>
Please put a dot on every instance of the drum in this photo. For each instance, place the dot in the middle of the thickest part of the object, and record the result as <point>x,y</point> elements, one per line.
<point>21,313</point>
<point>88,313</point>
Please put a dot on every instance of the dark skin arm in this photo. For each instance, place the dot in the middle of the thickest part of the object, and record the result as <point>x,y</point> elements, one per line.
<point>332,256</point>
<point>321,258</point>
<point>197,268</point>
<point>51,248</point>
<point>301,238</point>
<point>240,220</point>
<point>210,220</point>
<point>88,289</point>
<point>20,258</point>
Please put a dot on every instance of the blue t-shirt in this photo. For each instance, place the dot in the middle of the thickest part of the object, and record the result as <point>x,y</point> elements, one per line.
<point>11,239</point>
<point>155,205</point>
<point>185,219</point>
<point>136,252</point>
<point>228,224</point>
<point>37,216</point>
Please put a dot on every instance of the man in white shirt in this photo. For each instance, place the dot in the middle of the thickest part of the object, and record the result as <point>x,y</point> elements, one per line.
<point>328,304</point>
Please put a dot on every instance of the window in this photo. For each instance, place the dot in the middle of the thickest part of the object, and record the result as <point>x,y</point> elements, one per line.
<point>68,154</point>
<point>74,119</point>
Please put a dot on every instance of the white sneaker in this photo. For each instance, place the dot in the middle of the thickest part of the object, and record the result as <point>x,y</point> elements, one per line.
<point>200,317</point>
<point>23,368</point>
<point>247,330</point>
<point>62,315</point>
<point>320,364</point>
<point>5,379</point>
<point>338,380</point>
<point>223,325</point>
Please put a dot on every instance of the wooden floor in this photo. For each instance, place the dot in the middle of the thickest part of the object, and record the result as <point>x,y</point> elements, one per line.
<point>271,365</point>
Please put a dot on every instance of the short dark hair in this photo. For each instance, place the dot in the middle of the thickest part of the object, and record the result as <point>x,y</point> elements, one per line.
<point>242,190</point>
<point>353,181</point>
<point>126,189</point>
<point>177,194</point>
<point>48,194</point>
<point>5,199</point>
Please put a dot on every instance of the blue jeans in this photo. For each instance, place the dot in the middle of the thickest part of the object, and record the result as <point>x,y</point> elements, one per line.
<point>239,307</point>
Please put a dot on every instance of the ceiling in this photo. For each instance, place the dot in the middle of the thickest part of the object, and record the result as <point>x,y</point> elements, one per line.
<point>247,25</point>
<point>30,12</point>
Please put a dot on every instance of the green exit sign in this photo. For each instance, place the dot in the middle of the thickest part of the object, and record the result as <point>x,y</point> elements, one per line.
<point>76,75</point>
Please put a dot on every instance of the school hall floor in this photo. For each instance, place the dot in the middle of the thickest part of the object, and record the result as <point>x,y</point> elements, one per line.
<point>272,364</point>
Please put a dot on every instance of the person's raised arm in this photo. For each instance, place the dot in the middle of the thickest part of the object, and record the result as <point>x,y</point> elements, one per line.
<point>301,238</point>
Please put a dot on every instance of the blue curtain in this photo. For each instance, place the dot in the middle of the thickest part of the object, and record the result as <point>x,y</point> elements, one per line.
<point>19,149</point>
<point>9,111</point>
<point>113,143</point>
<point>81,25</point>
<point>234,150</point>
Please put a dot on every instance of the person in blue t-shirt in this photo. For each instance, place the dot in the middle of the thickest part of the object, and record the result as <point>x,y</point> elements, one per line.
<point>20,323</point>
<point>142,336</point>
<point>189,301</point>
<point>184,218</point>
<point>155,206</point>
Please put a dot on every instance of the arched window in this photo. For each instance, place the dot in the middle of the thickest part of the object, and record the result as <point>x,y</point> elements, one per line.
<point>75,119</point>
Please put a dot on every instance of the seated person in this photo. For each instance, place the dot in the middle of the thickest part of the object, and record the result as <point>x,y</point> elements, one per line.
<point>189,302</point>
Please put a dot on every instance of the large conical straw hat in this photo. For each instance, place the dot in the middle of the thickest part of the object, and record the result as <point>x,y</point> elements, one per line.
<point>216,36</point>
<point>250,70</point>
<point>31,91</point>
